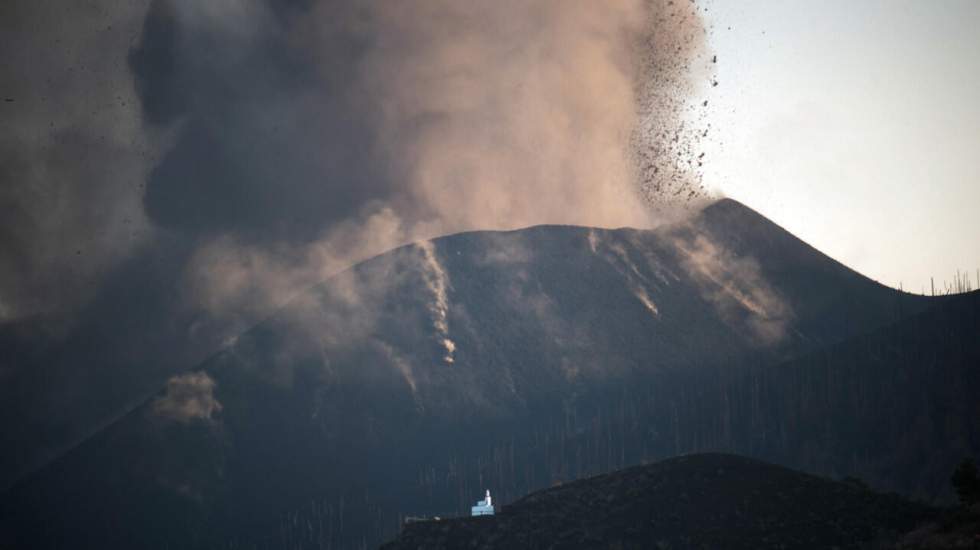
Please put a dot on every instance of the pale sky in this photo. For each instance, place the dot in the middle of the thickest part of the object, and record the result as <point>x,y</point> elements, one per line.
<point>856,126</point>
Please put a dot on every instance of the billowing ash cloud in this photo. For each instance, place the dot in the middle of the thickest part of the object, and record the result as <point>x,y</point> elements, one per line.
<point>301,127</point>
<point>735,286</point>
<point>283,139</point>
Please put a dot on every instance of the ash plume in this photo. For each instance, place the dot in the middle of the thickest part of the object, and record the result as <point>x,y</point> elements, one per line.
<point>432,115</point>
<point>174,171</point>
<point>735,286</point>
<point>288,139</point>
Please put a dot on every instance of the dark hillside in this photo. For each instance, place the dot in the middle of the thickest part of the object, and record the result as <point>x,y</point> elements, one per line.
<point>695,501</point>
<point>897,407</point>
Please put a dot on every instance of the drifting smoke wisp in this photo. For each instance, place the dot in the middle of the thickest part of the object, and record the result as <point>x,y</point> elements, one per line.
<point>736,287</point>
<point>437,281</point>
<point>188,397</point>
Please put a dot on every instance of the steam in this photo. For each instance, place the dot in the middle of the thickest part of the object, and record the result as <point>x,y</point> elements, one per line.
<point>507,114</point>
<point>235,281</point>
<point>188,397</point>
<point>175,170</point>
<point>304,137</point>
<point>644,298</point>
<point>72,155</point>
<point>736,287</point>
<point>436,281</point>
<point>403,366</point>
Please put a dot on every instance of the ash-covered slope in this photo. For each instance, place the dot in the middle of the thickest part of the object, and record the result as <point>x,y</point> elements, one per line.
<point>408,383</point>
<point>695,501</point>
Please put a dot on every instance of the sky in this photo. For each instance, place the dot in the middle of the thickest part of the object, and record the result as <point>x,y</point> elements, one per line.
<point>854,125</point>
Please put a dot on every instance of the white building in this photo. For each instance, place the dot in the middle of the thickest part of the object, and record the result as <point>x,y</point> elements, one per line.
<point>483,507</point>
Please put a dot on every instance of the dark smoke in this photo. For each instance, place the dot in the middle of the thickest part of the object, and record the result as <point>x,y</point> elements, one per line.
<point>267,143</point>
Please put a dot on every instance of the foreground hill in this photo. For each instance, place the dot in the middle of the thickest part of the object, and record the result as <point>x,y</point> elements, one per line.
<point>510,359</point>
<point>896,407</point>
<point>695,501</point>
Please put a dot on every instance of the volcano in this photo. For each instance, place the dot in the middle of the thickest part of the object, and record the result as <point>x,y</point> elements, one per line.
<point>515,360</point>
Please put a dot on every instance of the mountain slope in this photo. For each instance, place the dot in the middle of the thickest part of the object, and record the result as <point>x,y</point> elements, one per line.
<point>897,407</point>
<point>695,501</point>
<point>405,384</point>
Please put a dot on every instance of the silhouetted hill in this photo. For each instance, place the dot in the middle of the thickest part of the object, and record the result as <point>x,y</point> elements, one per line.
<point>504,359</point>
<point>695,501</point>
